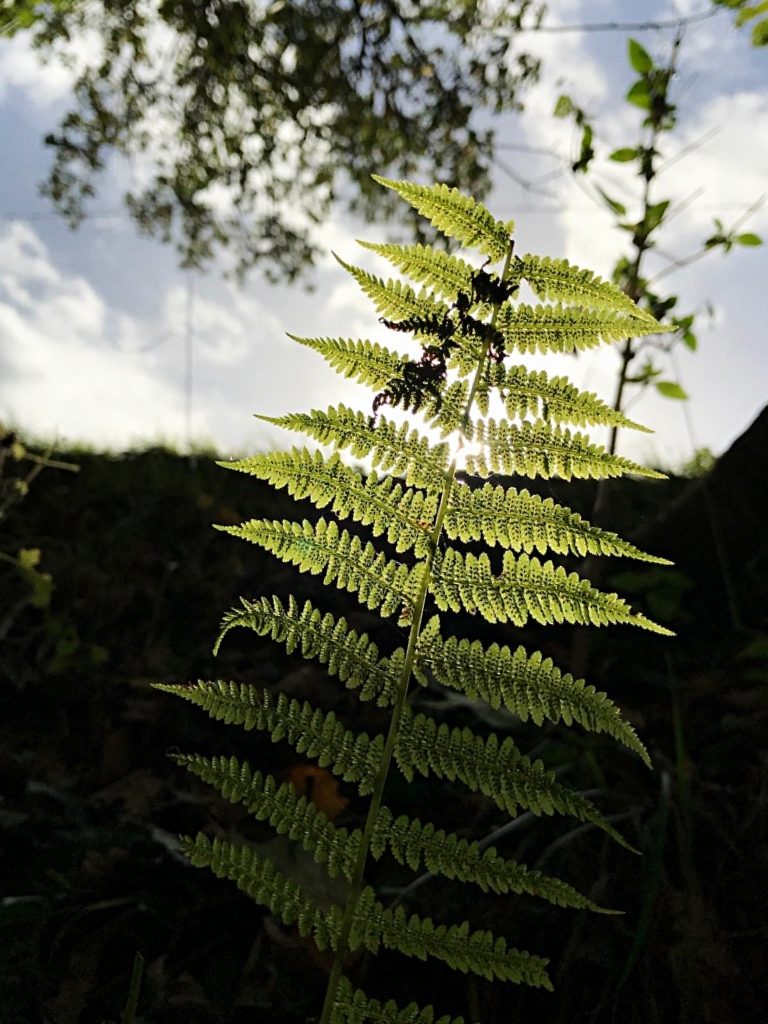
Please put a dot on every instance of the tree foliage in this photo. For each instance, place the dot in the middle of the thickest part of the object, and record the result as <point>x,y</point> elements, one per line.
<point>244,112</point>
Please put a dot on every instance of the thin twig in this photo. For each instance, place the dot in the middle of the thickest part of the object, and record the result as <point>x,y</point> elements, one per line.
<point>627,26</point>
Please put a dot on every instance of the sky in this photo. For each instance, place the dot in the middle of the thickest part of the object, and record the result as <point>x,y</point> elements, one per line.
<point>104,340</point>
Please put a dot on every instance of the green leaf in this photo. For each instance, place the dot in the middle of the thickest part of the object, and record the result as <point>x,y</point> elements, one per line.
<point>670,389</point>
<point>455,215</point>
<point>617,207</point>
<point>690,341</point>
<point>564,106</point>
<point>760,34</point>
<point>654,215</point>
<point>748,13</point>
<point>624,155</point>
<point>639,57</point>
<point>29,557</point>
<point>748,239</point>
<point>639,95</point>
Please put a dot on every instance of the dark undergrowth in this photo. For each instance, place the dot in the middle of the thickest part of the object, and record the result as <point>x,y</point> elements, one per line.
<point>91,805</point>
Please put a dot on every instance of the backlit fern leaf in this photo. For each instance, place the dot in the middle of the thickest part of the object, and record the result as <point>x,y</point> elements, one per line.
<point>556,279</point>
<point>492,766</point>
<point>540,450</point>
<point>478,952</point>
<point>363,361</point>
<point>529,685</point>
<point>410,842</point>
<point>449,414</point>
<point>397,448</point>
<point>354,1007</point>
<point>394,299</point>
<point>382,504</point>
<point>262,881</point>
<point>524,589</point>
<point>527,522</point>
<point>469,320</point>
<point>447,274</point>
<point>456,216</point>
<point>414,845</point>
<point>353,757</point>
<point>289,813</point>
<point>531,329</point>
<point>340,556</point>
<point>554,399</point>
<point>352,657</point>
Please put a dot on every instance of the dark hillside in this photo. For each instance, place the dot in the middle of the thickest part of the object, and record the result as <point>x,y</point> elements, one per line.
<point>91,805</point>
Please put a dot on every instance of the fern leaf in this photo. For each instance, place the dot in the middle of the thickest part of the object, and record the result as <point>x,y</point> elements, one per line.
<point>555,279</point>
<point>394,299</point>
<point>447,274</point>
<point>320,735</point>
<point>478,952</point>
<point>414,844</point>
<point>350,656</point>
<point>280,806</point>
<point>568,329</point>
<point>555,399</point>
<point>540,450</point>
<point>353,1006</point>
<point>526,522</point>
<point>495,768</point>
<point>527,588</point>
<point>529,685</point>
<point>450,413</point>
<point>365,361</point>
<point>381,504</point>
<point>399,449</point>
<point>456,216</point>
<point>343,559</point>
<point>259,878</point>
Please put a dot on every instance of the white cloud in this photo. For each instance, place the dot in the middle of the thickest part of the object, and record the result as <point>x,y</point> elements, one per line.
<point>62,377</point>
<point>45,82</point>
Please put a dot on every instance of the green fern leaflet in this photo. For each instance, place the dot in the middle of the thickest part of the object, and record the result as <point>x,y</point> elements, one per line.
<point>496,416</point>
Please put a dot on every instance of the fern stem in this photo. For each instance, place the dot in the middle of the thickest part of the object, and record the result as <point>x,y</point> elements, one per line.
<point>356,885</point>
<point>342,947</point>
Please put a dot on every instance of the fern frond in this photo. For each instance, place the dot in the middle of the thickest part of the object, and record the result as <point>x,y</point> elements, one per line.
<point>555,399</point>
<point>526,522</point>
<point>568,329</point>
<point>343,559</point>
<point>540,450</point>
<point>346,654</point>
<point>259,878</point>
<point>495,768</point>
<point>529,685</point>
<point>365,361</point>
<point>414,844</point>
<point>447,274</point>
<point>478,952</point>
<point>555,279</point>
<point>456,216</point>
<point>280,806</point>
<point>402,516</point>
<point>399,449</point>
<point>527,588</point>
<point>320,735</point>
<point>449,414</point>
<point>353,1006</point>
<point>394,299</point>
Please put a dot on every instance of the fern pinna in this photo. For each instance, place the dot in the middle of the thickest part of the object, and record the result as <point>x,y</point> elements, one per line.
<point>468,324</point>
